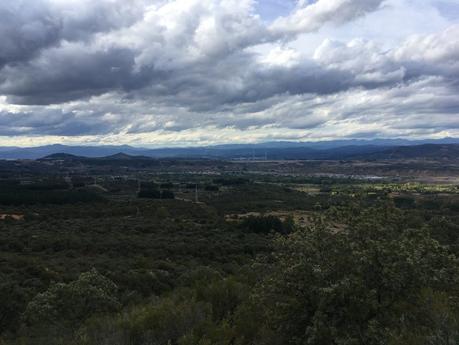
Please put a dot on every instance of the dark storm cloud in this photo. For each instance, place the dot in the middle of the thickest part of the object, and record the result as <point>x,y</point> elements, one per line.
<point>200,91</point>
<point>70,66</point>
<point>54,122</point>
<point>27,27</point>
<point>71,73</point>
<point>80,67</point>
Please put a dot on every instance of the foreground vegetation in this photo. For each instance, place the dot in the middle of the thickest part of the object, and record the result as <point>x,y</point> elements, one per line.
<point>371,263</point>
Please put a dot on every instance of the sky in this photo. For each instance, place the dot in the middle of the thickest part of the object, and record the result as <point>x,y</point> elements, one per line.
<point>199,72</point>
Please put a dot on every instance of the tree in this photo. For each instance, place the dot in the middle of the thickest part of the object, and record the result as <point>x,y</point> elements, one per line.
<point>266,224</point>
<point>67,305</point>
<point>372,283</point>
<point>150,193</point>
<point>167,194</point>
<point>12,299</point>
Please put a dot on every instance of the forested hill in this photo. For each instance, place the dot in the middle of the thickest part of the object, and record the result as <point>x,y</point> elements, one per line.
<point>333,150</point>
<point>428,151</point>
<point>370,152</point>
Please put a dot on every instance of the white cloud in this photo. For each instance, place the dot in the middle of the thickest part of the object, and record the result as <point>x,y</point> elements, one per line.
<point>439,48</point>
<point>281,56</point>
<point>363,59</point>
<point>203,71</point>
<point>311,17</point>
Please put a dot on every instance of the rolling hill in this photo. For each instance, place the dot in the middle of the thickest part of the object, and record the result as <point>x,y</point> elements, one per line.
<point>332,150</point>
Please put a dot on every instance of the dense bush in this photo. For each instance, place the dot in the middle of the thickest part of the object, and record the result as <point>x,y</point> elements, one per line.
<point>364,271</point>
<point>231,181</point>
<point>143,246</point>
<point>404,202</point>
<point>35,197</point>
<point>149,193</point>
<point>167,185</point>
<point>66,305</point>
<point>376,283</point>
<point>156,194</point>
<point>167,194</point>
<point>266,224</point>
<point>211,188</point>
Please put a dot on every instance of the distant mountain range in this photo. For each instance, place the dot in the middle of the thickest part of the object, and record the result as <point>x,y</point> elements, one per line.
<point>116,157</point>
<point>339,149</point>
<point>426,151</point>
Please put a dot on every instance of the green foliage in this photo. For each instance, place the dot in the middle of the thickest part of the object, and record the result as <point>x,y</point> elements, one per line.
<point>160,323</point>
<point>404,202</point>
<point>167,185</point>
<point>146,247</point>
<point>267,224</point>
<point>211,188</point>
<point>66,305</point>
<point>198,315</point>
<point>231,181</point>
<point>369,269</point>
<point>12,299</point>
<point>156,194</point>
<point>261,198</point>
<point>365,285</point>
<point>167,194</point>
<point>150,193</point>
<point>24,196</point>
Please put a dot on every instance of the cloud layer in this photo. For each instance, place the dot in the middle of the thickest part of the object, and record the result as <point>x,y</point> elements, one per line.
<point>165,72</point>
